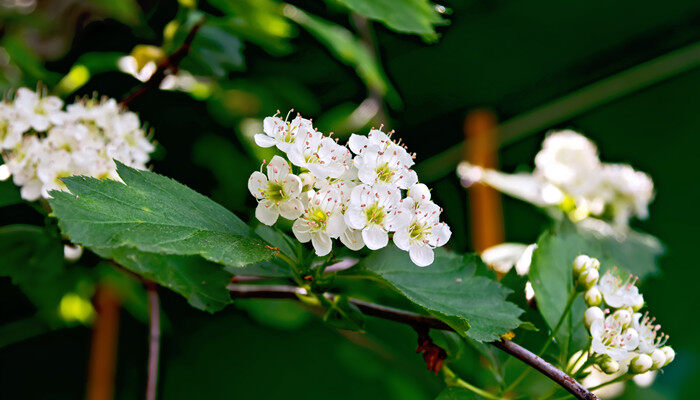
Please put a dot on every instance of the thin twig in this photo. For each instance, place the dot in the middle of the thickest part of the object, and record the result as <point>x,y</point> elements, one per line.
<point>167,66</point>
<point>418,320</point>
<point>154,340</point>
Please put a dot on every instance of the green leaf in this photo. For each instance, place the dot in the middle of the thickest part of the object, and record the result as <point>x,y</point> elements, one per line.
<point>342,314</point>
<point>347,48</point>
<point>474,306</point>
<point>215,50</point>
<point>202,283</point>
<point>457,393</point>
<point>9,194</point>
<point>551,269</point>
<point>153,214</point>
<point>407,16</point>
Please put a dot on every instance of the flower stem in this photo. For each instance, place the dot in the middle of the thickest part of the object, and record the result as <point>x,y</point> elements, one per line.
<point>567,308</point>
<point>453,380</point>
<point>621,378</point>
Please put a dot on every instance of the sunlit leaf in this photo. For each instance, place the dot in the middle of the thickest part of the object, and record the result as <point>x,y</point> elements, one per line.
<point>407,16</point>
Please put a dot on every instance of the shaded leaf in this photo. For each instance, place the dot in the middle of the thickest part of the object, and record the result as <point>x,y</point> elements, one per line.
<point>475,306</point>
<point>457,393</point>
<point>202,283</point>
<point>9,194</point>
<point>153,214</point>
<point>407,16</point>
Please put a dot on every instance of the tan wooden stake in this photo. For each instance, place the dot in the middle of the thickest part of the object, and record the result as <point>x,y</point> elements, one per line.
<point>103,351</point>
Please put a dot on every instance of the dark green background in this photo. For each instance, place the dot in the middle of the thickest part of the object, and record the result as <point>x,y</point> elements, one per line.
<point>510,56</point>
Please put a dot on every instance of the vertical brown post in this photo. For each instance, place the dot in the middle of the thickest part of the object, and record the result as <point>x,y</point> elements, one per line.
<point>103,351</point>
<point>481,148</point>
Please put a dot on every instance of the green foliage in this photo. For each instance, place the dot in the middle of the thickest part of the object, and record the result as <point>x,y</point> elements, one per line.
<point>347,48</point>
<point>202,283</point>
<point>153,214</point>
<point>457,393</point>
<point>215,50</point>
<point>407,16</point>
<point>551,269</point>
<point>342,314</point>
<point>9,194</point>
<point>475,306</point>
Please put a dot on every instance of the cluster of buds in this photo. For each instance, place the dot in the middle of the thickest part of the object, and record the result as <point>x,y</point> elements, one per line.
<point>42,143</point>
<point>622,339</point>
<point>362,194</point>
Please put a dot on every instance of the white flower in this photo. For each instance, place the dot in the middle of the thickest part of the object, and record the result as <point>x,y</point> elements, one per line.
<point>629,192</point>
<point>37,110</point>
<point>322,220</point>
<point>283,134</point>
<point>278,192</point>
<point>391,165</point>
<point>375,140</point>
<point>320,154</point>
<point>570,161</point>
<point>375,210</point>
<point>422,232</point>
<point>502,257</point>
<point>11,127</point>
<point>352,239</point>
<point>608,338</point>
<point>618,293</point>
<point>650,338</point>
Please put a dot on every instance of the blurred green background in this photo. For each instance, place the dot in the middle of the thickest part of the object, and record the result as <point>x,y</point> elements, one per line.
<point>513,57</point>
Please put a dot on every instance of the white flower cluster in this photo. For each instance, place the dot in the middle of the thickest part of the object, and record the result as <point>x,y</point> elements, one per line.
<point>355,194</point>
<point>569,174</point>
<point>622,339</point>
<point>41,142</point>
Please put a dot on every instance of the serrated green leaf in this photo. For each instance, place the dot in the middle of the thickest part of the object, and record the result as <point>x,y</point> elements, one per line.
<point>407,16</point>
<point>202,283</point>
<point>153,214</point>
<point>475,306</point>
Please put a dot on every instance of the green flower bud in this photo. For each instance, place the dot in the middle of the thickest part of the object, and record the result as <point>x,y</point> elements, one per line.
<point>307,181</point>
<point>592,314</point>
<point>580,264</point>
<point>588,278</point>
<point>593,297</point>
<point>609,366</point>
<point>669,353</point>
<point>658,359</point>
<point>639,305</point>
<point>641,364</point>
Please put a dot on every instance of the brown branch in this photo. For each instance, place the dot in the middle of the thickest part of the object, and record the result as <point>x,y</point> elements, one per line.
<point>418,321</point>
<point>154,340</point>
<point>167,66</point>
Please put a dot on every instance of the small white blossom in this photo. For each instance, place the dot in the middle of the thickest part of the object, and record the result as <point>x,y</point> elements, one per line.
<point>421,232</point>
<point>283,134</point>
<point>321,220</point>
<point>277,193</point>
<point>381,161</point>
<point>650,337</point>
<point>618,293</point>
<point>375,210</point>
<point>570,161</point>
<point>609,338</point>
<point>320,154</point>
<point>37,110</point>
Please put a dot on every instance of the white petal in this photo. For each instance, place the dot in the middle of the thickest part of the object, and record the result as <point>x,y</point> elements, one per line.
<point>352,239</point>
<point>355,218</point>
<point>278,169</point>
<point>322,244</point>
<point>266,212</point>
<point>264,140</point>
<point>421,254</point>
<point>292,185</point>
<point>522,267</point>
<point>335,225</point>
<point>301,230</point>
<point>271,125</point>
<point>257,183</point>
<point>402,239</point>
<point>397,220</point>
<point>419,192</point>
<point>291,208</point>
<point>357,143</point>
<point>375,237</point>
<point>31,190</point>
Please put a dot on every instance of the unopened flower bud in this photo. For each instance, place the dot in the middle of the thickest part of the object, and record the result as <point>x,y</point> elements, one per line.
<point>72,253</point>
<point>593,263</point>
<point>641,364</point>
<point>669,353</point>
<point>593,297</point>
<point>588,278</point>
<point>580,264</point>
<point>307,181</point>
<point>609,366</point>
<point>639,305</point>
<point>591,315</point>
<point>623,317</point>
<point>658,359</point>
